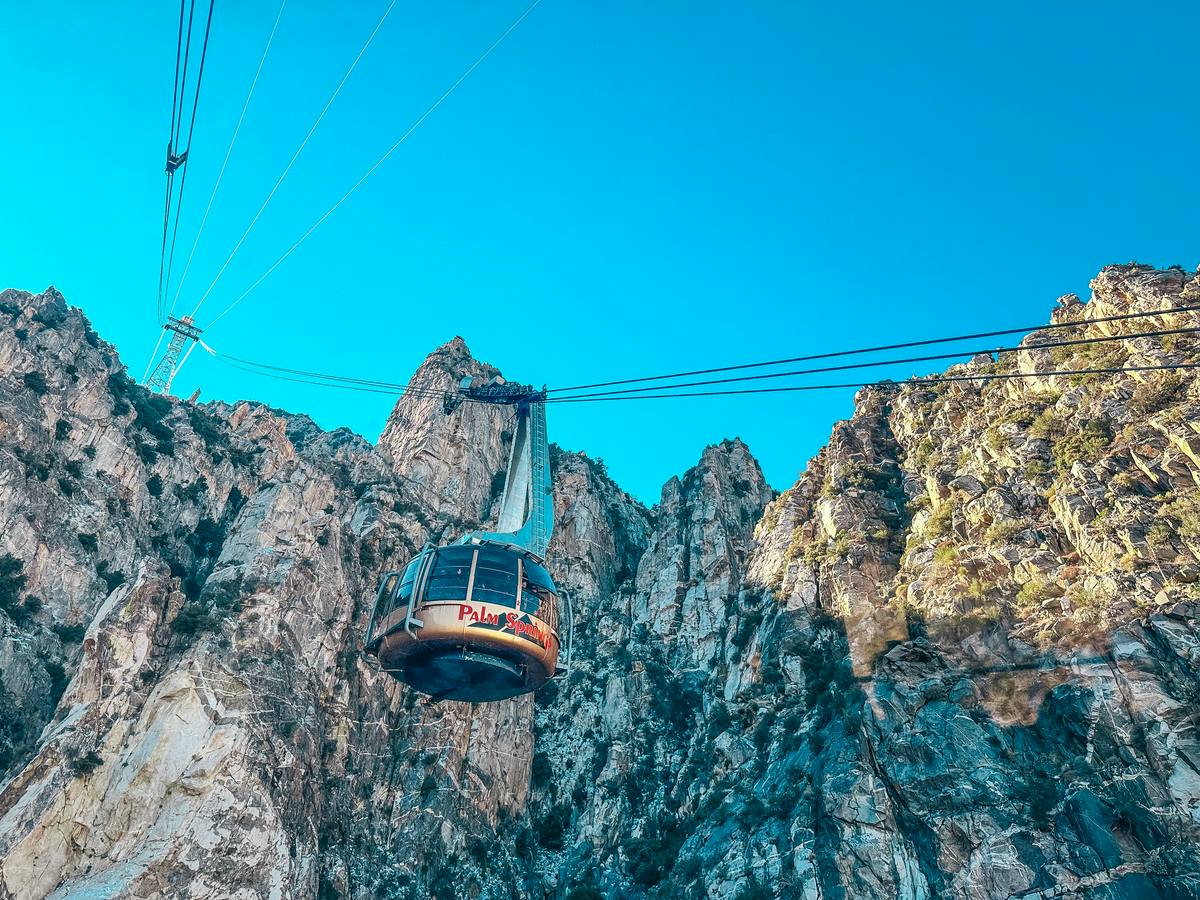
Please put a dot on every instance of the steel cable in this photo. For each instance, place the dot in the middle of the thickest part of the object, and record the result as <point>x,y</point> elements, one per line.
<point>404,137</point>
<point>228,151</point>
<point>295,156</point>
<point>900,346</point>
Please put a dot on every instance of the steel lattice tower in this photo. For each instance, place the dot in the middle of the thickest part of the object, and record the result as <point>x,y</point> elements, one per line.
<point>164,373</point>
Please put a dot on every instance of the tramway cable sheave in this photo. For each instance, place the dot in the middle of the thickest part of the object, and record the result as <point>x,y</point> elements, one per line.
<point>477,620</point>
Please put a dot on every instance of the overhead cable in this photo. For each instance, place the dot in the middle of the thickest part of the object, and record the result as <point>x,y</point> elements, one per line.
<point>393,390</point>
<point>177,154</point>
<point>228,152</point>
<point>907,382</point>
<point>188,147</point>
<point>389,386</point>
<point>398,390</point>
<point>901,346</point>
<point>295,156</point>
<point>343,378</point>
<point>1049,345</point>
<point>175,103</point>
<point>403,137</point>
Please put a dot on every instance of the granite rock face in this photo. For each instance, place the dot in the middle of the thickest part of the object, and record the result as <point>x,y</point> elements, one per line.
<point>958,658</point>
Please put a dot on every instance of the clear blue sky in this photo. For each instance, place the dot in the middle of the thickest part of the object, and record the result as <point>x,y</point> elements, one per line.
<point>623,188</point>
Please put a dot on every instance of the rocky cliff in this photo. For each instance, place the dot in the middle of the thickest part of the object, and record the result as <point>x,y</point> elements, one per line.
<point>959,658</point>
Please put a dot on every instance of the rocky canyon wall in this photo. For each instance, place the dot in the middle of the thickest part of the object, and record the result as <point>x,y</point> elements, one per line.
<point>958,658</point>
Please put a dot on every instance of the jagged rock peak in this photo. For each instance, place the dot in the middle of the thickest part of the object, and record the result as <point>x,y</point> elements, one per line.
<point>693,566</point>
<point>958,658</point>
<point>448,458</point>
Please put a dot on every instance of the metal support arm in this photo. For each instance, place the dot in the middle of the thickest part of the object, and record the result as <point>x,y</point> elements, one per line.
<point>527,507</point>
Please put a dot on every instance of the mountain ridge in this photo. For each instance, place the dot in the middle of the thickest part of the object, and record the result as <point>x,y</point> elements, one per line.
<point>959,657</point>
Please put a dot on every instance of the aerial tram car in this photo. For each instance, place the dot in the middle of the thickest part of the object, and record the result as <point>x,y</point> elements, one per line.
<point>478,620</point>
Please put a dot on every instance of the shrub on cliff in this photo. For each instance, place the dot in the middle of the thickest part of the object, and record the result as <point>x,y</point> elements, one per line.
<point>87,763</point>
<point>12,583</point>
<point>941,520</point>
<point>551,828</point>
<point>69,634</point>
<point>1085,444</point>
<point>1155,393</point>
<point>36,382</point>
<point>194,619</point>
<point>151,413</point>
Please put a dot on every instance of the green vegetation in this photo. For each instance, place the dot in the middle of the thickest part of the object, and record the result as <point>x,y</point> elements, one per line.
<point>1036,468</point>
<point>88,542</point>
<point>58,681</point>
<point>551,829</point>
<point>87,763</point>
<point>979,589</point>
<point>112,578</point>
<point>50,316</point>
<point>69,634</point>
<point>1001,531</point>
<point>941,520</point>
<point>206,538</point>
<point>1045,426</point>
<point>12,583</point>
<point>924,452</point>
<point>1024,416</point>
<point>1157,392</point>
<point>754,890</point>
<point>193,491</point>
<point>541,770</point>
<point>194,618</point>
<point>151,412</point>
<point>584,892</point>
<point>946,556</point>
<point>1090,356</point>
<point>208,429</point>
<point>752,814</point>
<point>12,730</point>
<point>1178,515</point>
<point>497,486</point>
<point>1032,594</point>
<point>35,466</point>
<point>36,382</point>
<point>1040,792</point>
<point>62,428</point>
<point>1089,605</point>
<point>1086,444</point>
<point>820,550</point>
<point>652,856</point>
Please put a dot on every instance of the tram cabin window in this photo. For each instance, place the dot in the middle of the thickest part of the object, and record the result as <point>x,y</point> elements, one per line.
<point>537,589</point>
<point>451,574</point>
<point>495,577</point>
<point>404,592</point>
